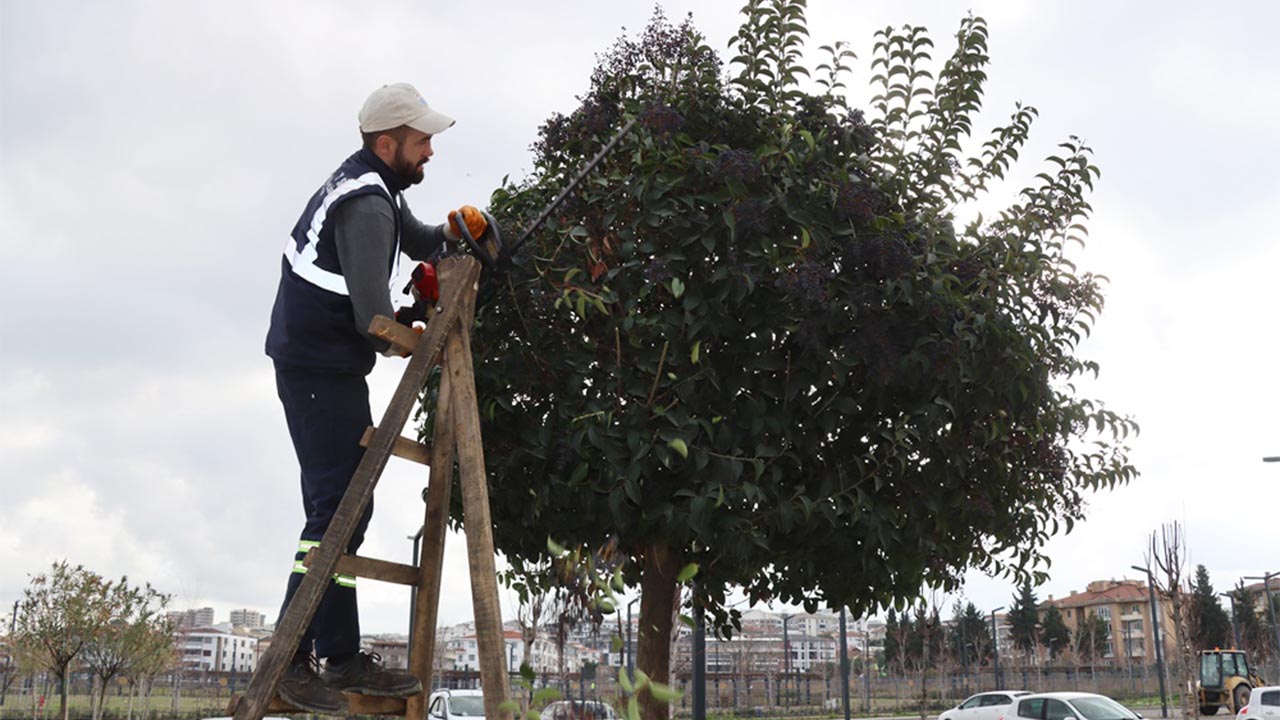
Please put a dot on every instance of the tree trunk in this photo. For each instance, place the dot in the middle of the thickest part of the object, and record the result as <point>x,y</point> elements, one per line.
<point>62,694</point>
<point>657,605</point>
<point>102,698</point>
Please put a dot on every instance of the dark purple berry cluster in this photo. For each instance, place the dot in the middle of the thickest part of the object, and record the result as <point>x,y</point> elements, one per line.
<point>751,217</point>
<point>657,271</point>
<point>857,201</point>
<point>662,119</point>
<point>967,269</point>
<point>878,257</point>
<point>805,285</point>
<point>738,165</point>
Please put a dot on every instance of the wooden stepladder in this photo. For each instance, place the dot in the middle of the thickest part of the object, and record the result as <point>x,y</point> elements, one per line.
<point>446,341</point>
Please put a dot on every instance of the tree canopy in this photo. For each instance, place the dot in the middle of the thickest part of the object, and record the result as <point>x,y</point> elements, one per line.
<point>1024,619</point>
<point>1093,638</point>
<point>758,340</point>
<point>1211,624</point>
<point>971,635</point>
<point>1054,632</point>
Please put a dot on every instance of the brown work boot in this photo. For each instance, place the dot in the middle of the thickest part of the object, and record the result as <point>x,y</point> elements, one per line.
<point>301,687</point>
<point>364,673</point>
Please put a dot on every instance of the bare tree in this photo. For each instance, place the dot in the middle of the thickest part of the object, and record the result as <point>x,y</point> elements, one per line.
<point>154,650</point>
<point>1168,554</point>
<point>529,617</point>
<point>132,616</point>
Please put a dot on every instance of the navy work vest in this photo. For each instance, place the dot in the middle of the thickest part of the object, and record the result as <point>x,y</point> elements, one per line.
<point>313,322</point>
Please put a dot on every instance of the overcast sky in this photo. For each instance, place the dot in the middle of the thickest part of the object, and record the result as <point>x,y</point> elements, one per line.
<point>154,155</point>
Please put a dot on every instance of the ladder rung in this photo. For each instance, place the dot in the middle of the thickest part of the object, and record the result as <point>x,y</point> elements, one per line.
<point>380,570</point>
<point>356,705</point>
<point>402,338</point>
<point>403,447</point>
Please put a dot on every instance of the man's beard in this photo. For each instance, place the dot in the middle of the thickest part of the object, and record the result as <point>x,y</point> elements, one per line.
<point>409,171</point>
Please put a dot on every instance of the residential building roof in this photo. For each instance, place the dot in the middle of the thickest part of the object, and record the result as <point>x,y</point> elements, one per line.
<point>1102,592</point>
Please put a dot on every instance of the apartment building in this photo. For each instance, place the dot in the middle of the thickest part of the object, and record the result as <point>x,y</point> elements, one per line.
<point>1126,608</point>
<point>545,656</point>
<point>218,649</point>
<point>248,618</point>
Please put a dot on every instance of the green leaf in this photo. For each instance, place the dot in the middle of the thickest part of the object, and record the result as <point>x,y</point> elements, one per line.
<point>624,681</point>
<point>509,706</point>
<point>527,673</point>
<point>693,357</point>
<point>678,445</point>
<point>677,288</point>
<point>687,573</point>
<point>557,550</point>
<point>663,693</point>
<point>546,695</point>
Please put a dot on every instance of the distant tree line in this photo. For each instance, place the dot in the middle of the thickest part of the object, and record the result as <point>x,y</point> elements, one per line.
<point>71,619</point>
<point>918,639</point>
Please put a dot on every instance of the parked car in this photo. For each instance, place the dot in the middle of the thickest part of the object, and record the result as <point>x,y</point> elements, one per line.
<point>1069,706</point>
<point>1264,704</point>
<point>579,710</point>
<point>450,704</point>
<point>983,706</point>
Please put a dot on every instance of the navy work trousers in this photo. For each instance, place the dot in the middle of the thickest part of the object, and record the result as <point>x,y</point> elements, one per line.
<point>327,413</point>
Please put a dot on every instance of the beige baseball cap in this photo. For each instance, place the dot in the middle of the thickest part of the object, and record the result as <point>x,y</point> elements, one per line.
<point>391,106</point>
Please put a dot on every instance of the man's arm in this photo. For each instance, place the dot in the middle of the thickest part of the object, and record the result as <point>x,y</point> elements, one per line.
<point>418,240</point>
<point>364,235</point>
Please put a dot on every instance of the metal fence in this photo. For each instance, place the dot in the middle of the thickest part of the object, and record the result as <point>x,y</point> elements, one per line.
<point>188,696</point>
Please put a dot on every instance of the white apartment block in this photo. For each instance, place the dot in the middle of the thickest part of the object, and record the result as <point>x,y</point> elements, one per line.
<point>218,649</point>
<point>464,653</point>
<point>248,618</point>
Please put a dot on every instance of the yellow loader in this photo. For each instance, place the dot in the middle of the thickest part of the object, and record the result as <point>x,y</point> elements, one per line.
<point>1226,680</point>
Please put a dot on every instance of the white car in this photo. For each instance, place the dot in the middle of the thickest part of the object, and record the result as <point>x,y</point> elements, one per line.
<point>983,706</point>
<point>579,710</point>
<point>1069,706</point>
<point>452,704</point>
<point>1264,704</point>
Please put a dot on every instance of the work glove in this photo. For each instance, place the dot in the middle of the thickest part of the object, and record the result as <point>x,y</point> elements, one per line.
<point>474,220</point>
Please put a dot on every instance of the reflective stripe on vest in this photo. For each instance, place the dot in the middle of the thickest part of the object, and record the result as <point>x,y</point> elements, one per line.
<point>303,261</point>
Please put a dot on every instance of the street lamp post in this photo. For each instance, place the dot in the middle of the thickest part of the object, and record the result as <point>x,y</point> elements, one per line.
<point>416,540</point>
<point>1235,634</point>
<point>844,662</point>
<point>631,665</point>
<point>995,647</point>
<point>786,661</point>
<point>1155,637</point>
<point>8,660</point>
<point>699,661</point>
<point>1271,608</point>
<point>866,661</point>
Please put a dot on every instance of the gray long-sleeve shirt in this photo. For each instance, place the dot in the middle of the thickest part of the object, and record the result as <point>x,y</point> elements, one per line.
<point>364,235</point>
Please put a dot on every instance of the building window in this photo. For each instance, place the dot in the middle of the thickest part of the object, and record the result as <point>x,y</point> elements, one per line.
<point>1104,612</point>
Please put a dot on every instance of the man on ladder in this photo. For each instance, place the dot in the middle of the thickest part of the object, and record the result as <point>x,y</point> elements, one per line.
<point>337,273</point>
